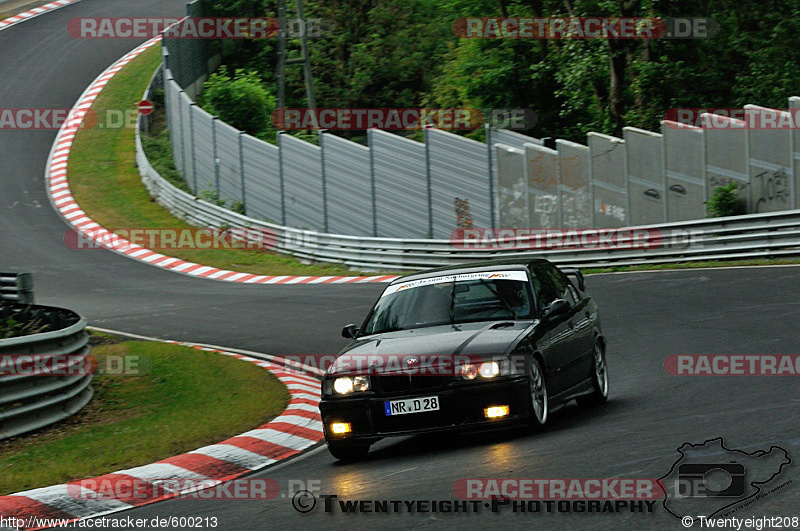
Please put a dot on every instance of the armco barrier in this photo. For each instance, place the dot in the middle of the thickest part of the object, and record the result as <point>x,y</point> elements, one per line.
<point>16,287</point>
<point>750,236</point>
<point>28,400</point>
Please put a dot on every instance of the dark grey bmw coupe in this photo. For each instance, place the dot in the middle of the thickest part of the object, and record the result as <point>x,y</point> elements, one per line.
<point>474,346</point>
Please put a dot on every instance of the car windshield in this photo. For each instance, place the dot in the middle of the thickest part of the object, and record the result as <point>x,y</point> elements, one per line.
<point>451,300</point>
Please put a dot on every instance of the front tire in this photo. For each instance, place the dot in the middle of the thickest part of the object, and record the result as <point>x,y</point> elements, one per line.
<point>599,393</point>
<point>537,387</point>
<point>348,451</point>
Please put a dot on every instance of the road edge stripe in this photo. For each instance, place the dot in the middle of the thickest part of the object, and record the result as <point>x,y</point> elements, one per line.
<point>285,436</point>
<point>57,185</point>
<point>34,12</point>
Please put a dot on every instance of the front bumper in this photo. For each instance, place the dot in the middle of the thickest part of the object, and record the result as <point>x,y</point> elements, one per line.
<point>461,406</point>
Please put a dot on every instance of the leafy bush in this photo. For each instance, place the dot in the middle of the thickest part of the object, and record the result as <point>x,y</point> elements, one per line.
<point>726,202</point>
<point>211,196</point>
<point>158,148</point>
<point>11,327</point>
<point>242,101</point>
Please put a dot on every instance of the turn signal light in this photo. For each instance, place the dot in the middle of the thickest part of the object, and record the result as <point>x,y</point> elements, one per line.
<point>496,412</point>
<point>340,428</point>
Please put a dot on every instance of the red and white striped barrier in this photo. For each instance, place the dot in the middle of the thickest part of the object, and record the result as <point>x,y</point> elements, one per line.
<point>64,202</point>
<point>296,429</point>
<point>35,12</point>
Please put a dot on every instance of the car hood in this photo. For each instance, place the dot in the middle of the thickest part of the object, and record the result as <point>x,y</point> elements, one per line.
<point>467,341</point>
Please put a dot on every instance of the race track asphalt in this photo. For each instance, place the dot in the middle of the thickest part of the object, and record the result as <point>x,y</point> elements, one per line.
<point>646,317</point>
<point>43,67</point>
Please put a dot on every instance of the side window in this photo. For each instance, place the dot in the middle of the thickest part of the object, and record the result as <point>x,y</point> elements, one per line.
<point>563,287</point>
<point>546,292</point>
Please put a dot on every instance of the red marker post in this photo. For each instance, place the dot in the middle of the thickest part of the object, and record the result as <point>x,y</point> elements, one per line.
<point>145,107</point>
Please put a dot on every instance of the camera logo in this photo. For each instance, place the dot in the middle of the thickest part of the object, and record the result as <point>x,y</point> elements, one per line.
<point>708,479</point>
<point>698,480</point>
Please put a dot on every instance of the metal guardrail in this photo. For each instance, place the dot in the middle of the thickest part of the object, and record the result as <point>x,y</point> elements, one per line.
<point>16,287</point>
<point>738,237</point>
<point>773,234</point>
<point>29,399</point>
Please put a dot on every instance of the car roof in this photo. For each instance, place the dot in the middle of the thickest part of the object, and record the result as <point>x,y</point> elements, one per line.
<point>514,264</point>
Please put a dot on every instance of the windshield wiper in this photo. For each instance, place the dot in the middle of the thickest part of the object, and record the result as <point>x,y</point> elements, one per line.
<point>500,298</point>
<point>453,304</point>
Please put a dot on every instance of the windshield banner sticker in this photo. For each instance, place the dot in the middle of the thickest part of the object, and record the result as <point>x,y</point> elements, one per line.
<point>520,276</point>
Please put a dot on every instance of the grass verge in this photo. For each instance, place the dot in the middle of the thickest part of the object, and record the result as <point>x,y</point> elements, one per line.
<point>105,182</point>
<point>182,399</point>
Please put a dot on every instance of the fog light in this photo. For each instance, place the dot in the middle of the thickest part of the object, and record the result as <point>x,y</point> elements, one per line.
<point>341,428</point>
<point>495,412</point>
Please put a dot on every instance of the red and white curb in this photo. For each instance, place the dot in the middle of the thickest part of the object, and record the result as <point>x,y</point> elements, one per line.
<point>64,202</point>
<point>297,428</point>
<point>35,12</point>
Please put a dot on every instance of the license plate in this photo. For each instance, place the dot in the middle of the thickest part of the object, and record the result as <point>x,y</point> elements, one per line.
<point>411,405</point>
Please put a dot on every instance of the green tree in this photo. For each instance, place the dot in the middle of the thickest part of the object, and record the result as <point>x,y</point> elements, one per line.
<point>396,53</point>
<point>241,101</point>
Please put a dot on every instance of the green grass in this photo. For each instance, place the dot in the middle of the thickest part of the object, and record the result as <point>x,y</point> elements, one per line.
<point>105,181</point>
<point>159,152</point>
<point>184,399</point>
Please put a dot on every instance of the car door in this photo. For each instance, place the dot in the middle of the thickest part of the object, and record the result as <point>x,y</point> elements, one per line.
<point>578,355</point>
<point>557,337</point>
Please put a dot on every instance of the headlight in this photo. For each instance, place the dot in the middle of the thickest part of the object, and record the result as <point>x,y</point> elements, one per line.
<point>469,371</point>
<point>343,385</point>
<point>347,384</point>
<point>487,369</point>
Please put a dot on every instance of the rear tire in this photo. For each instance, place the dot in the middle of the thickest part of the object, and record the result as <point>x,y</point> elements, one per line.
<point>538,400</point>
<point>599,393</point>
<point>348,451</point>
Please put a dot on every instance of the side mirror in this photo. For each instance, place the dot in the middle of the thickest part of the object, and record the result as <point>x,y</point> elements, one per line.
<point>556,308</point>
<point>350,331</point>
<point>576,274</point>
